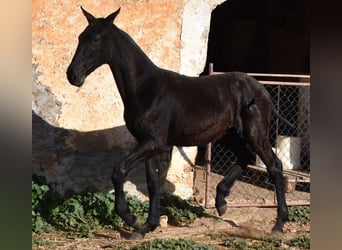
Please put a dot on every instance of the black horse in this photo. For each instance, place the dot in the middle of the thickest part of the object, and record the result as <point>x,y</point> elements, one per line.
<point>163,108</point>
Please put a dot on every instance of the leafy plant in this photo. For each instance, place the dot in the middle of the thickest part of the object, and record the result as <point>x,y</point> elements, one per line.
<point>180,212</point>
<point>172,244</point>
<point>81,214</point>
<point>300,214</point>
<point>302,242</point>
<point>70,216</point>
<point>38,195</point>
<point>265,244</point>
<point>140,209</point>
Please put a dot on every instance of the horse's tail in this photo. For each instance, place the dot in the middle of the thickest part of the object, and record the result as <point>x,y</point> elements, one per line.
<point>282,118</point>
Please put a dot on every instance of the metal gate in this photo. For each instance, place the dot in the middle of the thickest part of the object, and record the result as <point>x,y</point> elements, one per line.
<point>291,97</point>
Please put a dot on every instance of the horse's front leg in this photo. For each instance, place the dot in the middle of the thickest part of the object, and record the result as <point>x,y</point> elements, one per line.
<point>121,206</point>
<point>141,153</point>
<point>153,178</point>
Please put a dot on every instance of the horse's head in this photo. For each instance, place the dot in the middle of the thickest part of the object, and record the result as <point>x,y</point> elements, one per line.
<point>93,48</point>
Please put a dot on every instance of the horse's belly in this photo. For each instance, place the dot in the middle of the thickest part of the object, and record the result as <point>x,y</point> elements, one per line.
<point>198,134</point>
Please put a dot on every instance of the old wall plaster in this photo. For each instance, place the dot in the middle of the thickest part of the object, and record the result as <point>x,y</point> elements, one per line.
<point>80,145</point>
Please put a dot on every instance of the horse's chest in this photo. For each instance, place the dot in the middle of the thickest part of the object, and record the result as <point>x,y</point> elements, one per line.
<point>146,124</point>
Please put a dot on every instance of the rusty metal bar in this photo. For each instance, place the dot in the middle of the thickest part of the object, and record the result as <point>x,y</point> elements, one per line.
<point>278,110</point>
<point>211,69</point>
<point>212,72</point>
<point>304,84</point>
<point>262,74</point>
<point>288,83</point>
<point>208,159</point>
<point>207,174</point>
<point>292,203</point>
<point>279,75</point>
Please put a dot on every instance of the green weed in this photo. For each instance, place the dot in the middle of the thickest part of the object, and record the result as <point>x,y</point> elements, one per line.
<point>301,242</point>
<point>39,193</point>
<point>180,212</point>
<point>172,244</point>
<point>299,214</point>
<point>266,244</point>
<point>81,214</point>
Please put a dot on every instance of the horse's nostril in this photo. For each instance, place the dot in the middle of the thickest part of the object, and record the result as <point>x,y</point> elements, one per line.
<point>71,77</point>
<point>75,79</point>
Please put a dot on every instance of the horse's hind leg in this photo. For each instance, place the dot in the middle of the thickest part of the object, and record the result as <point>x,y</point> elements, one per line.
<point>223,188</point>
<point>239,147</point>
<point>275,170</point>
<point>260,143</point>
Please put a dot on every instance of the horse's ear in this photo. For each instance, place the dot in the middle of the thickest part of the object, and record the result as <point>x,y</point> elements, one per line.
<point>112,16</point>
<point>89,16</point>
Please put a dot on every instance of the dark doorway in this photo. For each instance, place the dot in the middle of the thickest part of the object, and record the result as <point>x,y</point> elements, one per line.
<point>264,36</point>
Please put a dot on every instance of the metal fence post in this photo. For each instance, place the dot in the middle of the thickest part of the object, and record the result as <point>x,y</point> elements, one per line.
<point>207,175</point>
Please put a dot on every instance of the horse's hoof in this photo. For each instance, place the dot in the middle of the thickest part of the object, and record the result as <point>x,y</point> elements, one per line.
<point>222,210</point>
<point>137,224</point>
<point>277,232</point>
<point>136,236</point>
<point>278,227</point>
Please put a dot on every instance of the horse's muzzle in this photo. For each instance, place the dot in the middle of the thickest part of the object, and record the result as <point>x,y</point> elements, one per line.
<point>74,79</point>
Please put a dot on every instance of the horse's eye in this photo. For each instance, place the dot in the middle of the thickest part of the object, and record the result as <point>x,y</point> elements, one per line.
<point>96,39</point>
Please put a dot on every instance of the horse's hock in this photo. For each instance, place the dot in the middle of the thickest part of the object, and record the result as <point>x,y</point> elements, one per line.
<point>79,134</point>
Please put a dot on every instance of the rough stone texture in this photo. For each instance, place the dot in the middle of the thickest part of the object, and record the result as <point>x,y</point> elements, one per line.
<point>195,37</point>
<point>79,133</point>
<point>44,103</point>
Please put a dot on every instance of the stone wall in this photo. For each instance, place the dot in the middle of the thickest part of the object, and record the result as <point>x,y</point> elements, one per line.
<point>79,133</point>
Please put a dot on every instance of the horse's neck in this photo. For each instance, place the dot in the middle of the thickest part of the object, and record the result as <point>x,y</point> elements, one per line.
<point>130,67</point>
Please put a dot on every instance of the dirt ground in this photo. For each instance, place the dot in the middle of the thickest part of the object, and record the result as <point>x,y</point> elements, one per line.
<point>245,222</point>
<point>249,222</point>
